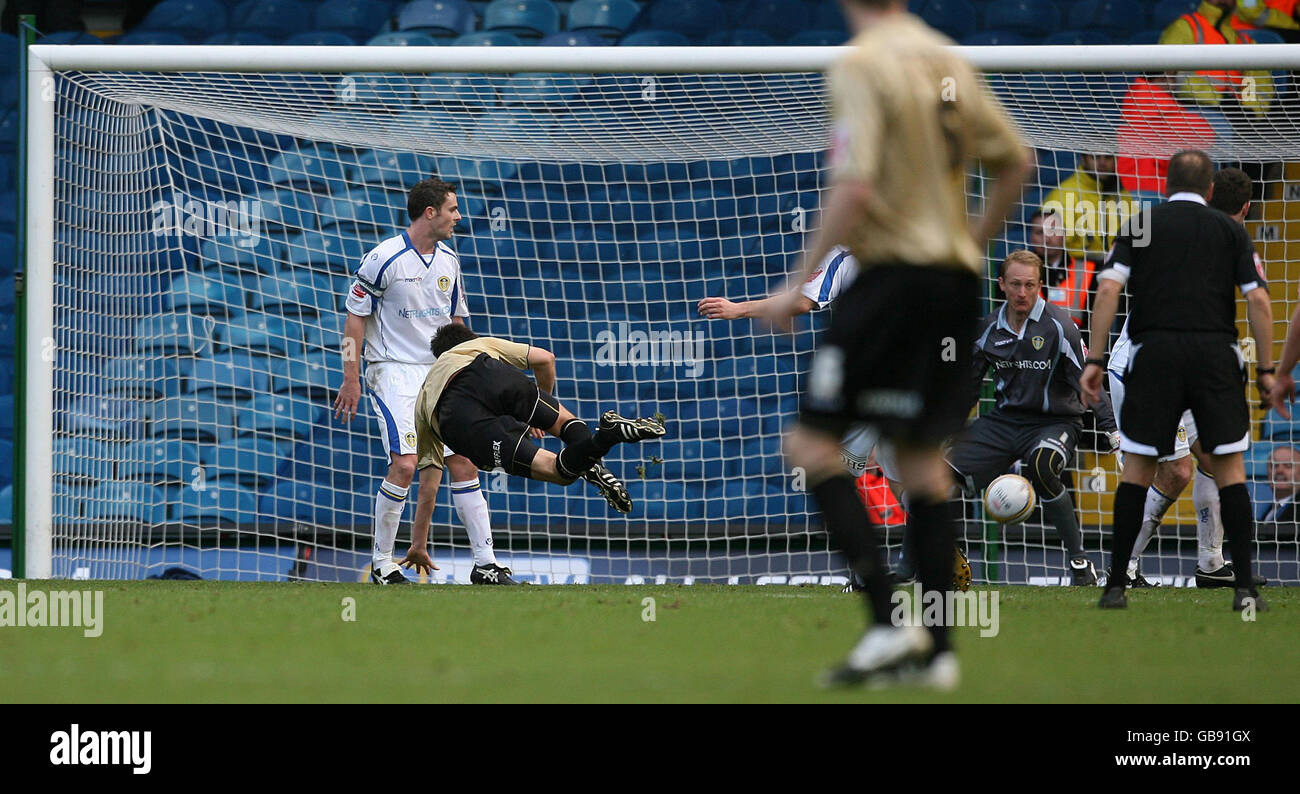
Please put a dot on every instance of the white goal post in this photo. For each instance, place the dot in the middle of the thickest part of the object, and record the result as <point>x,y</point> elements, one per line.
<point>125,127</point>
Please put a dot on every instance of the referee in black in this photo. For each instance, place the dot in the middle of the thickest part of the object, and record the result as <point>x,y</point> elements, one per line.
<point>1181,271</point>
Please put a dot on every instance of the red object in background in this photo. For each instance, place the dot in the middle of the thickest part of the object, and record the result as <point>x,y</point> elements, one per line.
<point>1155,125</point>
<point>883,510</point>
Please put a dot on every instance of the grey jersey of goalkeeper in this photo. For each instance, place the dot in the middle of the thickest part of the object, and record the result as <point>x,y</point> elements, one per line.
<point>477,401</point>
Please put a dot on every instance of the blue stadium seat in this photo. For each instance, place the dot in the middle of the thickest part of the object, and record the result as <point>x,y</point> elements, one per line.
<point>192,19</point>
<point>484,177</point>
<point>307,170</point>
<point>218,503</point>
<point>243,255</point>
<point>399,170</point>
<point>236,375</point>
<point>955,18</point>
<point>1071,37</point>
<point>1119,18</point>
<point>100,416</point>
<point>737,38</point>
<point>357,19</point>
<point>323,38</point>
<point>249,461</point>
<point>993,38</point>
<point>9,50</point>
<point>159,462</point>
<point>323,332</point>
<point>1256,459</point>
<point>281,417</point>
<point>827,16</point>
<point>294,292</point>
<point>191,418</point>
<point>147,377</point>
<point>264,333</point>
<point>524,18</point>
<point>1265,36</point>
<point>10,121</point>
<point>312,375</point>
<point>326,253</point>
<point>287,211</point>
<point>213,174</point>
<point>607,18</point>
<point>488,38</point>
<point>1145,37</point>
<point>128,501</point>
<point>403,38</point>
<point>174,334</point>
<point>777,18</point>
<point>542,88</point>
<point>163,37</point>
<point>1167,11</point>
<point>440,18</point>
<point>82,460</point>
<point>365,213</point>
<point>691,18</point>
<point>818,38</point>
<point>298,501</point>
<point>245,38</point>
<point>1026,17</point>
<point>569,38</point>
<point>69,37</point>
<point>276,19</point>
<point>206,293</point>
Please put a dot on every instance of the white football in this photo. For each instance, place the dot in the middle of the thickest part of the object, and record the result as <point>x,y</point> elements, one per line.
<point>1009,499</point>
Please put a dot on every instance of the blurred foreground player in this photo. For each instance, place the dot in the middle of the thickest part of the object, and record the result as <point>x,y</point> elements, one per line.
<point>908,117</point>
<point>477,400</point>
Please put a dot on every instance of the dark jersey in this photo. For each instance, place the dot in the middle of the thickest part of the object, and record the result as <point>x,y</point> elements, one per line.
<point>1036,371</point>
<point>1184,268</point>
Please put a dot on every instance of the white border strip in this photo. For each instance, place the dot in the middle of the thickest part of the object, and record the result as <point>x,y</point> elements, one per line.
<point>38,282</point>
<point>1102,58</point>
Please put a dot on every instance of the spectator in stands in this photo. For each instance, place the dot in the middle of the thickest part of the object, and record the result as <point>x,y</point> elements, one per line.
<point>1282,16</point>
<point>1282,471</point>
<point>1153,126</point>
<point>1067,280</point>
<point>1228,91</point>
<point>1091,205</point>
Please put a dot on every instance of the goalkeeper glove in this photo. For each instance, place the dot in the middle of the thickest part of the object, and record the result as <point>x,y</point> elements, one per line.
<point>961,572</point>
<point>1113,438</point>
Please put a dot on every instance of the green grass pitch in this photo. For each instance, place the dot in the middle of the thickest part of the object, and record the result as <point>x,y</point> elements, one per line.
<point>235,642</point>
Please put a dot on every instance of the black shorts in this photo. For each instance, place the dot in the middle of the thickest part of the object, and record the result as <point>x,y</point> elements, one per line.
<point>988,448</point>
<point>486,411</point>
<point>897,355</point>
<point>1171,372</point>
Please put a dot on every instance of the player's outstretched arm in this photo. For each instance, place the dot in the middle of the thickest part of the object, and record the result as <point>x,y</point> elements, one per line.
<point>542,363</point>
<point>417,556</point>
<point>1259,314</point>
<point>723,309</point>
<point>1103,316</point>
<point>354,332</point>
<point>1284,383</point>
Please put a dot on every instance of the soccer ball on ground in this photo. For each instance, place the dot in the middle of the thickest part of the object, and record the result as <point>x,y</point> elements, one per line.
<point>1009,499</point>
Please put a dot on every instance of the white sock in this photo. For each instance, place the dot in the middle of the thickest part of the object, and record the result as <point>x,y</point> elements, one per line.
<point>1153,513</point>
<point>1209,523</point>
<point>389,504</point>
<point>472,508</point>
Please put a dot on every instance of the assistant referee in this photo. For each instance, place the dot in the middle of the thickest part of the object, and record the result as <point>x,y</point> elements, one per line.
<point>1182,267</point>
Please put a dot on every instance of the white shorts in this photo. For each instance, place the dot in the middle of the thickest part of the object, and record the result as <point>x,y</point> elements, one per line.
<point>393,388</point>
<point>1186,425</point>
<point>856,450</point>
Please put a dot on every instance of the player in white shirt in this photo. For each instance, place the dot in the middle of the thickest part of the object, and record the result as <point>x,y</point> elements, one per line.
<point>406,288</point>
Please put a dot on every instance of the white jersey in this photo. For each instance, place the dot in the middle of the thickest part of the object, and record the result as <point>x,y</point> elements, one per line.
<point>1118,361</point>
<point>406,297</point>
<point>834,275</point>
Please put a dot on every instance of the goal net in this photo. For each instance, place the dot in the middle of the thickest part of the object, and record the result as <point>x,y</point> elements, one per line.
<point>205,216</point>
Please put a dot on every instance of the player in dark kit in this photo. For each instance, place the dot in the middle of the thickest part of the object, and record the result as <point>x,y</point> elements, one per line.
<point>898,347</point>
<point>1037,356</point>
<point>477,400</point>
<point>1182,271</point>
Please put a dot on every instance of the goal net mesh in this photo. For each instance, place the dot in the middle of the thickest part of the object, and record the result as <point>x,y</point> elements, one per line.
<point>207,226</point>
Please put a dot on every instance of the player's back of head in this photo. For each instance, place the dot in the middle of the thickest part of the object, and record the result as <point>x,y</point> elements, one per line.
<point>449,336</point>
<point>1232,189</point>
<point>1190,171</point>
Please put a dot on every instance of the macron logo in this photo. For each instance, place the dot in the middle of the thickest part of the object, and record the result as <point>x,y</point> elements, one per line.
<point>93,748</point>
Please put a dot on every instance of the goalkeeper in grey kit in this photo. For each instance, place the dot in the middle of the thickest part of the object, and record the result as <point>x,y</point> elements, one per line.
<point>1037,355</point>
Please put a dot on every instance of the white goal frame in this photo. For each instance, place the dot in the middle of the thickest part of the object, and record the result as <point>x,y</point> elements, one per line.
<point>46,60</point>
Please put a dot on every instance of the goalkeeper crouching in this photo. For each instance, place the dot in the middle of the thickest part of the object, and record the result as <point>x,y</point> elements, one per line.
<point>478,402</point>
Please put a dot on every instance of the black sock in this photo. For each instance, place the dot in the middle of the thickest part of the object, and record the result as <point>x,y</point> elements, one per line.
<point>1130,502</point>
<point>575,459</point>
<point>1238,530</point>
<point>574,430</point>
<point>933,526</point>
<point>851,533</point>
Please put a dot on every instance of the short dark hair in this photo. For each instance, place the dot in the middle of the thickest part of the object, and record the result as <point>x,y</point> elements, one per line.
<point>1232,189</point>
<point>1190,171</point>
<point>1021,257</point>
<point>431,192</point>
<point>449,336</point>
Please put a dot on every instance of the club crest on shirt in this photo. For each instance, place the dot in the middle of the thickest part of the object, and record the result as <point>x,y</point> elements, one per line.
<point>410,439</point>
<point>1037,342</point>
<point>444,283</point>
